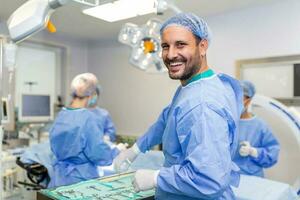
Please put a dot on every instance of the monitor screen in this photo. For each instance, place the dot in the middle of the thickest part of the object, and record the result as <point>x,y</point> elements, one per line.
<point>36,105</point>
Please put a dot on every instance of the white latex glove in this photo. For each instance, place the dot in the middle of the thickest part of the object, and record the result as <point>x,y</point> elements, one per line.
<point>123,161</point>
<point>145,179</point>
<point>122,146</point>
<point>246,150</point>
<point>106,138</point>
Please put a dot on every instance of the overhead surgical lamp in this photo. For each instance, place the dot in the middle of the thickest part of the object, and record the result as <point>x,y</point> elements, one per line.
<point>145,41</point>
<point>32,17</point>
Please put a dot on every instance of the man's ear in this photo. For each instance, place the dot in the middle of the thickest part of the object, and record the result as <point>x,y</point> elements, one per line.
<point>203,46</point>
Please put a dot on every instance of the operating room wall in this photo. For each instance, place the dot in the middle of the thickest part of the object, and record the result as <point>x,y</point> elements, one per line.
<point>2,27</point>
<point>135,98</point>
<point>74,57</point>
<point>264,31</point>
<point>74,54</point>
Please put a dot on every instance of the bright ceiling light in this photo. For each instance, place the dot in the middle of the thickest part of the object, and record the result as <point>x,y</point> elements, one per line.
<point>144,7</point>
<point>122,9</point>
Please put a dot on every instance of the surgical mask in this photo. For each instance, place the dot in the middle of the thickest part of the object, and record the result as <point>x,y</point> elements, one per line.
<point>93,101</point>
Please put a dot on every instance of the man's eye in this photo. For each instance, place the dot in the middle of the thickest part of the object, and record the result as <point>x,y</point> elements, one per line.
<point>180,45</point>
<point>165,47</point>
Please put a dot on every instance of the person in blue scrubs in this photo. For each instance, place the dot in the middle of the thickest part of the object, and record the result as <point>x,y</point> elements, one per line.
<point>104,118</point>
<point>258,147</point>
<point>198,129</point>
<point>76,138</point>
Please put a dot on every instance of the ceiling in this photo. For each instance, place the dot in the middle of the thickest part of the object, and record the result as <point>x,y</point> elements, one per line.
<point>71,22</point>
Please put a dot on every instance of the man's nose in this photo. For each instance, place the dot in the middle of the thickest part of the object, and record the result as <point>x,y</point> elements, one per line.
<point>172,53</point>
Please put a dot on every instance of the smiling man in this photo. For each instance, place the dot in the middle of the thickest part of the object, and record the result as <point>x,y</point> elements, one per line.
<point>198,128</point>
<point>181,53</point>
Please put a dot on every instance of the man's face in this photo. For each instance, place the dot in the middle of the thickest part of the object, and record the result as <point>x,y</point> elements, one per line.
<point>180,52</point>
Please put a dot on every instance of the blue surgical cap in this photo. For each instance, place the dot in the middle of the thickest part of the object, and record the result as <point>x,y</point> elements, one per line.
<point>191,22</point>
<point>248,88</point>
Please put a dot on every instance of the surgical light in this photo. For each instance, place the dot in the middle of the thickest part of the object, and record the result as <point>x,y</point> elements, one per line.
<point>122,9</point>
<point>145,43</point>
<point>145,40</point>
<point>34,15</point>
<point>50,27</point>
<point>31,17</point>
<point>149,46</point>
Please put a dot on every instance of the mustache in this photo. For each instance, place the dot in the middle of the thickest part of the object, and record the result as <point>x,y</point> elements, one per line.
<point>168,61</point>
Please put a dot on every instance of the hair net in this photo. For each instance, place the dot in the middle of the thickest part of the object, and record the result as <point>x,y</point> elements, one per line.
<point>98,86</point>
<point>191,22</point>
<point>84,85</point>
<point>248,88</point>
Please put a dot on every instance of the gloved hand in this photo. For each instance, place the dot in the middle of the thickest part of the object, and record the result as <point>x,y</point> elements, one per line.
<point>122,146</point>
<point>145,179</point>
<point>106,138</point>
<point>125,158</point>
<point>246,150</point>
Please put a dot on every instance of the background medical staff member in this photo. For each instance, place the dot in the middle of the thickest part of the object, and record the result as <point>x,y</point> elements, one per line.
<point>258,147</point>
<point>103,117</point>
<point>198,128</point>
<point>76,138</point>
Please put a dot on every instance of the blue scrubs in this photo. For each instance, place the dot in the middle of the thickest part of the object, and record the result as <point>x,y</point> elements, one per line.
<point>105,120</point>
<point>198,133</point>
<point>259,135</point>
<point>76,140</point>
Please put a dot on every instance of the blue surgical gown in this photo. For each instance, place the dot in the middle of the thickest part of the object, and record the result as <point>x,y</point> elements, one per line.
<point>198,131</point>
<point>76,140</point>
<point>260,136</point>
<point>105,120</point>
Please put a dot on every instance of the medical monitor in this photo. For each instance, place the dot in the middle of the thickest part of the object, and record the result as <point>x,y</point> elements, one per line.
<point>35,108</point>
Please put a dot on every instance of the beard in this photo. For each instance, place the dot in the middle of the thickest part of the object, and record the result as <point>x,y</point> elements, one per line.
<point>189,72</point>
<point>190,68</point>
